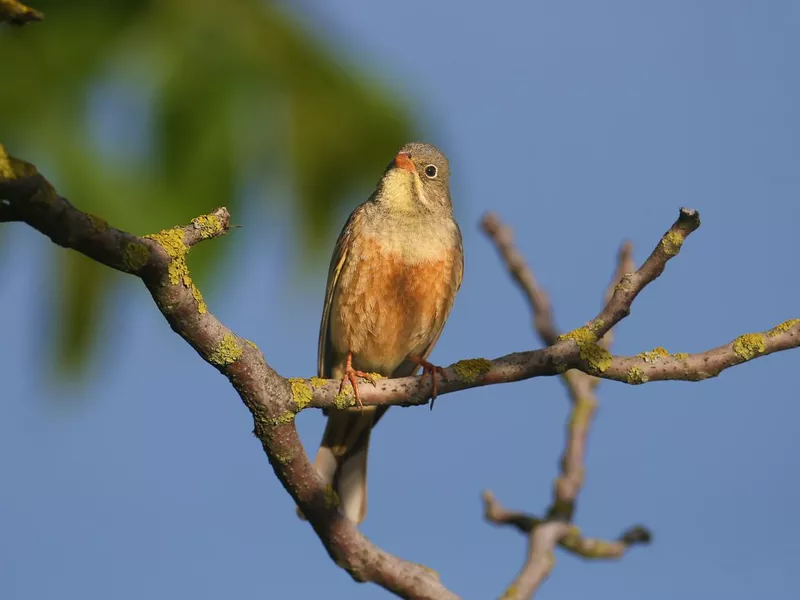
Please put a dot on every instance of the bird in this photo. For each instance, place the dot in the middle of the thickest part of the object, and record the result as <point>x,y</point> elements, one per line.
<point>393,277</point>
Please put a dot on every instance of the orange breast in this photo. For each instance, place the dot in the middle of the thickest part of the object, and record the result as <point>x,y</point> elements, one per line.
<point>386,308</point>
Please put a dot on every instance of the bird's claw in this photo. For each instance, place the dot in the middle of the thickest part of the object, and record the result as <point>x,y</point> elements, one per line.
<point>352,375</point>
<point>431,369</point>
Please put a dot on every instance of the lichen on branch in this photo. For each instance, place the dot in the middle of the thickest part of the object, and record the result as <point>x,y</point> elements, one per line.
<point>16,13</point>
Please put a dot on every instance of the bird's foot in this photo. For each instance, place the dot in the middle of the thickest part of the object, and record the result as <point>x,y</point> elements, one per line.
<point>352,375</point>
<point>432,370</point>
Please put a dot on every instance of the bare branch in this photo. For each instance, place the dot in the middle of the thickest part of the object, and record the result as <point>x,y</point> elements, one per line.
<point>539,562</point>
<point>651,366</point>
<point>625,265</point>
<point>580,386</point>
<point>574,542</point>
<point>503,238</point>
<point>545,534</point>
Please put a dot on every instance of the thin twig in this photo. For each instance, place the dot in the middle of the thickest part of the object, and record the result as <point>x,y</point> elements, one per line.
<point>545,534</point>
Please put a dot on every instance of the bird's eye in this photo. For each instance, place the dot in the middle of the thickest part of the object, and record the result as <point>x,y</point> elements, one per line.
<point>430,171</point>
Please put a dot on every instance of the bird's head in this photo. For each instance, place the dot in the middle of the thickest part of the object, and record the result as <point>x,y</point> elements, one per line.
<point>417,179</point>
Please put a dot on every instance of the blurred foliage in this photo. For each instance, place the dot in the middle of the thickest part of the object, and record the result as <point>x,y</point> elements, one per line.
<point>148,113</point>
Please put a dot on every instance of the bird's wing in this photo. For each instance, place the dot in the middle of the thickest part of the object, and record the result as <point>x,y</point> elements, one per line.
<point>325,353</point>
<point>342,456</point>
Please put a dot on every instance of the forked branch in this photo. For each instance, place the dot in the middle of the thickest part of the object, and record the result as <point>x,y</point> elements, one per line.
<point>555,528</point>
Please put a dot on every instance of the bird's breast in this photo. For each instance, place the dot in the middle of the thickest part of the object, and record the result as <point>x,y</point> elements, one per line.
<point>392,298</point>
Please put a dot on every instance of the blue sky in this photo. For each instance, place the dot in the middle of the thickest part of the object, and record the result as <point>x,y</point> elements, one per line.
<point>582,123</point>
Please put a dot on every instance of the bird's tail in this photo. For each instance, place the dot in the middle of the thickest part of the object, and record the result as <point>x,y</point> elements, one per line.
<point>342,458</point>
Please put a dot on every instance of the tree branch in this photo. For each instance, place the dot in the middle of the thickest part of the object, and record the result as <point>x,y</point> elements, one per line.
<point>160,261</point>
<point>541,308</point>
<point>572,541</point>
<point>580,386</point>
<point>579,349</point>
<point>588,357</point>
<point>545,534</point>
<point>16,13</point>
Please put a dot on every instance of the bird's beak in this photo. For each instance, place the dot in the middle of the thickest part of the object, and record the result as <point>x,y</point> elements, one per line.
<point>403,161</point>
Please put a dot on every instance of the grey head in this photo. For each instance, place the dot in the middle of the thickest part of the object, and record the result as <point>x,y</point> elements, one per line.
<point>418,179</point>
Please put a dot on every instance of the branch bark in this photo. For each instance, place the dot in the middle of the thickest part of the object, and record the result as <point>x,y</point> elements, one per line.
<point>573,542</point>
<point>581,349</point>
<point>545,534</point>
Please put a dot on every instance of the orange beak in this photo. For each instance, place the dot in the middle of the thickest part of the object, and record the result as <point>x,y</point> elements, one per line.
<point>403,161</point>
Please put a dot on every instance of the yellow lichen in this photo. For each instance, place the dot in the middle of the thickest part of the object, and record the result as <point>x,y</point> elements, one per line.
<point>317,382</point>
<point>472,369</point>
<point>209,225</point>
<point>572,539</point>
<point>284,459</point>
<point>14,168</point>
<point>98,223</point>
<point>201,304</point>
<point>672,242</point>
<point>510,593</point>
<point>227,351</point>
<point>560,506</point>
<point>637,376</point>
<point>625,284</point>
<point>6,172</point>
<point>172,242</point>
<point>17,13</point>
<point>301,394</point>
<point>783,327</point>
<point>748,345</point>
<point>582,412</point>
<point>282,419</point>
<point>135,256</point>
<point>601,549</point>
<point>598,358</point>
<point>342,400</point>
<point>251,343</point>
<point>582,335</point>
<point>331,497</point>
<point>653,355</point>
<point>680,356</point>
